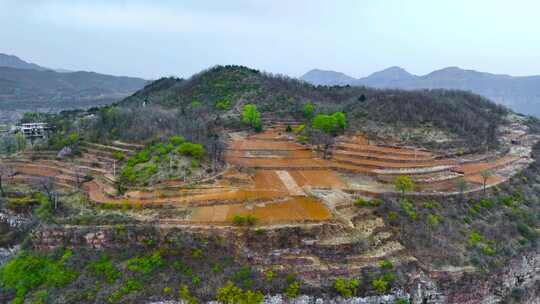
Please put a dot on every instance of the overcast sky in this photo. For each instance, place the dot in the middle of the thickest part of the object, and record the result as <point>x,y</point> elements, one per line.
<point>155,38</point>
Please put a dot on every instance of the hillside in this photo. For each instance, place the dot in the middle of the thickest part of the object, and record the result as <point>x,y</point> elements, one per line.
<point>453,114</point>
<point>521,94</point>
<point>29,87</point>
<point>172,195</point>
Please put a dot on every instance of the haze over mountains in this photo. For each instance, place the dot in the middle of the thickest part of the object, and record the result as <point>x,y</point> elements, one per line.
<point>29,87</point>
<point>521,94</point>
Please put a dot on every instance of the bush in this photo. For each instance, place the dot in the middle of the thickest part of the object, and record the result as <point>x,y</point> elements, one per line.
<point>248,220</point>
<point>386,264</point>
<point>361,202</point>
<point>380,285</point>
<point>104,268</point>
<point>346,287</point>
<point>191,149</point>
<point>27,271</point>
<point>145,264</point>
<point>309,110</point>
<point>231,294</point>
<point>119,155</point>
<point>177,140</point>
<point>408,207</point>
<point>223,104</point>
<point>185,295</point>
<point>433,220</point>
<point>403,184</point>
<point>293,290</point>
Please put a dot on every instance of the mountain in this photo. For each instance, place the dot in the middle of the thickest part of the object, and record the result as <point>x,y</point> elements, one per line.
<point>30,87</point>
<point>322,77</point>
<point>12,61</point>
<point>521,94</point>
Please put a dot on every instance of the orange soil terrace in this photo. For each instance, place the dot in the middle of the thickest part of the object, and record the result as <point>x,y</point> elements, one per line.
<point>297,209</point>
<point>283,170</point>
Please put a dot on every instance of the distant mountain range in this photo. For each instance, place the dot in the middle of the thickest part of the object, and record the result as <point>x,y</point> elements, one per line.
<point>29,87</point>
<point>521,94</point>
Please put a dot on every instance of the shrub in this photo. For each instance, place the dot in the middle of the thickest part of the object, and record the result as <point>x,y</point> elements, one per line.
<point>185,295</point>
<point>346,287</point>
<point>309,110</point>
<point>386,264</point>
<point>361,202</point>
<point>380,285</point>
<point>223,104</point>
<point>299,129</point>
<point>104,268</point>
<point>231,294</point>
<point>408,207</point>
<point>433,220</point>
<point>475,238</point>
<point>248,220</point>
<point>191,149</point>
<point>27,271</point>
<point>177,140</point>
<point>403,184</point>
<point>145,264</point>
<point>293,290</point>
<point>269,275</point>
<point>119,155</point>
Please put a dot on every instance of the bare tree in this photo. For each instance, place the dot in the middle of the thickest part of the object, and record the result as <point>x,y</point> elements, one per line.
<point>485,174</point>
<point>48,185</point>
<point>6,171</point>
<point>323,139</point>
<point>79,176</point>
<point>462,186</point>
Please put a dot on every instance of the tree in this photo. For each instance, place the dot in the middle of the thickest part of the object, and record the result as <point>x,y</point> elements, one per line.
<point>462,186</point>
<point>309,110</point>
<point>485,174</point>
<point>340,120</point>
<point>323,139</point>
<point>325,123</point>
<point>5,172</point>
<point>403,184</point>
<point>252,117</point>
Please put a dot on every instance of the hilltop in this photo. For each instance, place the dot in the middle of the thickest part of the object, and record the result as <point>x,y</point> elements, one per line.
<point>518,93</point>
<point>454,118</point>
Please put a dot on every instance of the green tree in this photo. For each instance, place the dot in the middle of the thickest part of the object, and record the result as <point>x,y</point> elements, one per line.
<point>340,120</point>
<point>309,110</point>
<point>403,184</point>
<point>252,117</point>
<point>325,123</point>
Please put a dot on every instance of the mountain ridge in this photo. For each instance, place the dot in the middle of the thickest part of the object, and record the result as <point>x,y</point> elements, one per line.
<point>520,93</point>
<point>29,87</point>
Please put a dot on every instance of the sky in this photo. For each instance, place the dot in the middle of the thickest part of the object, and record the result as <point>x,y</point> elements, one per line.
<point>153,38</point>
